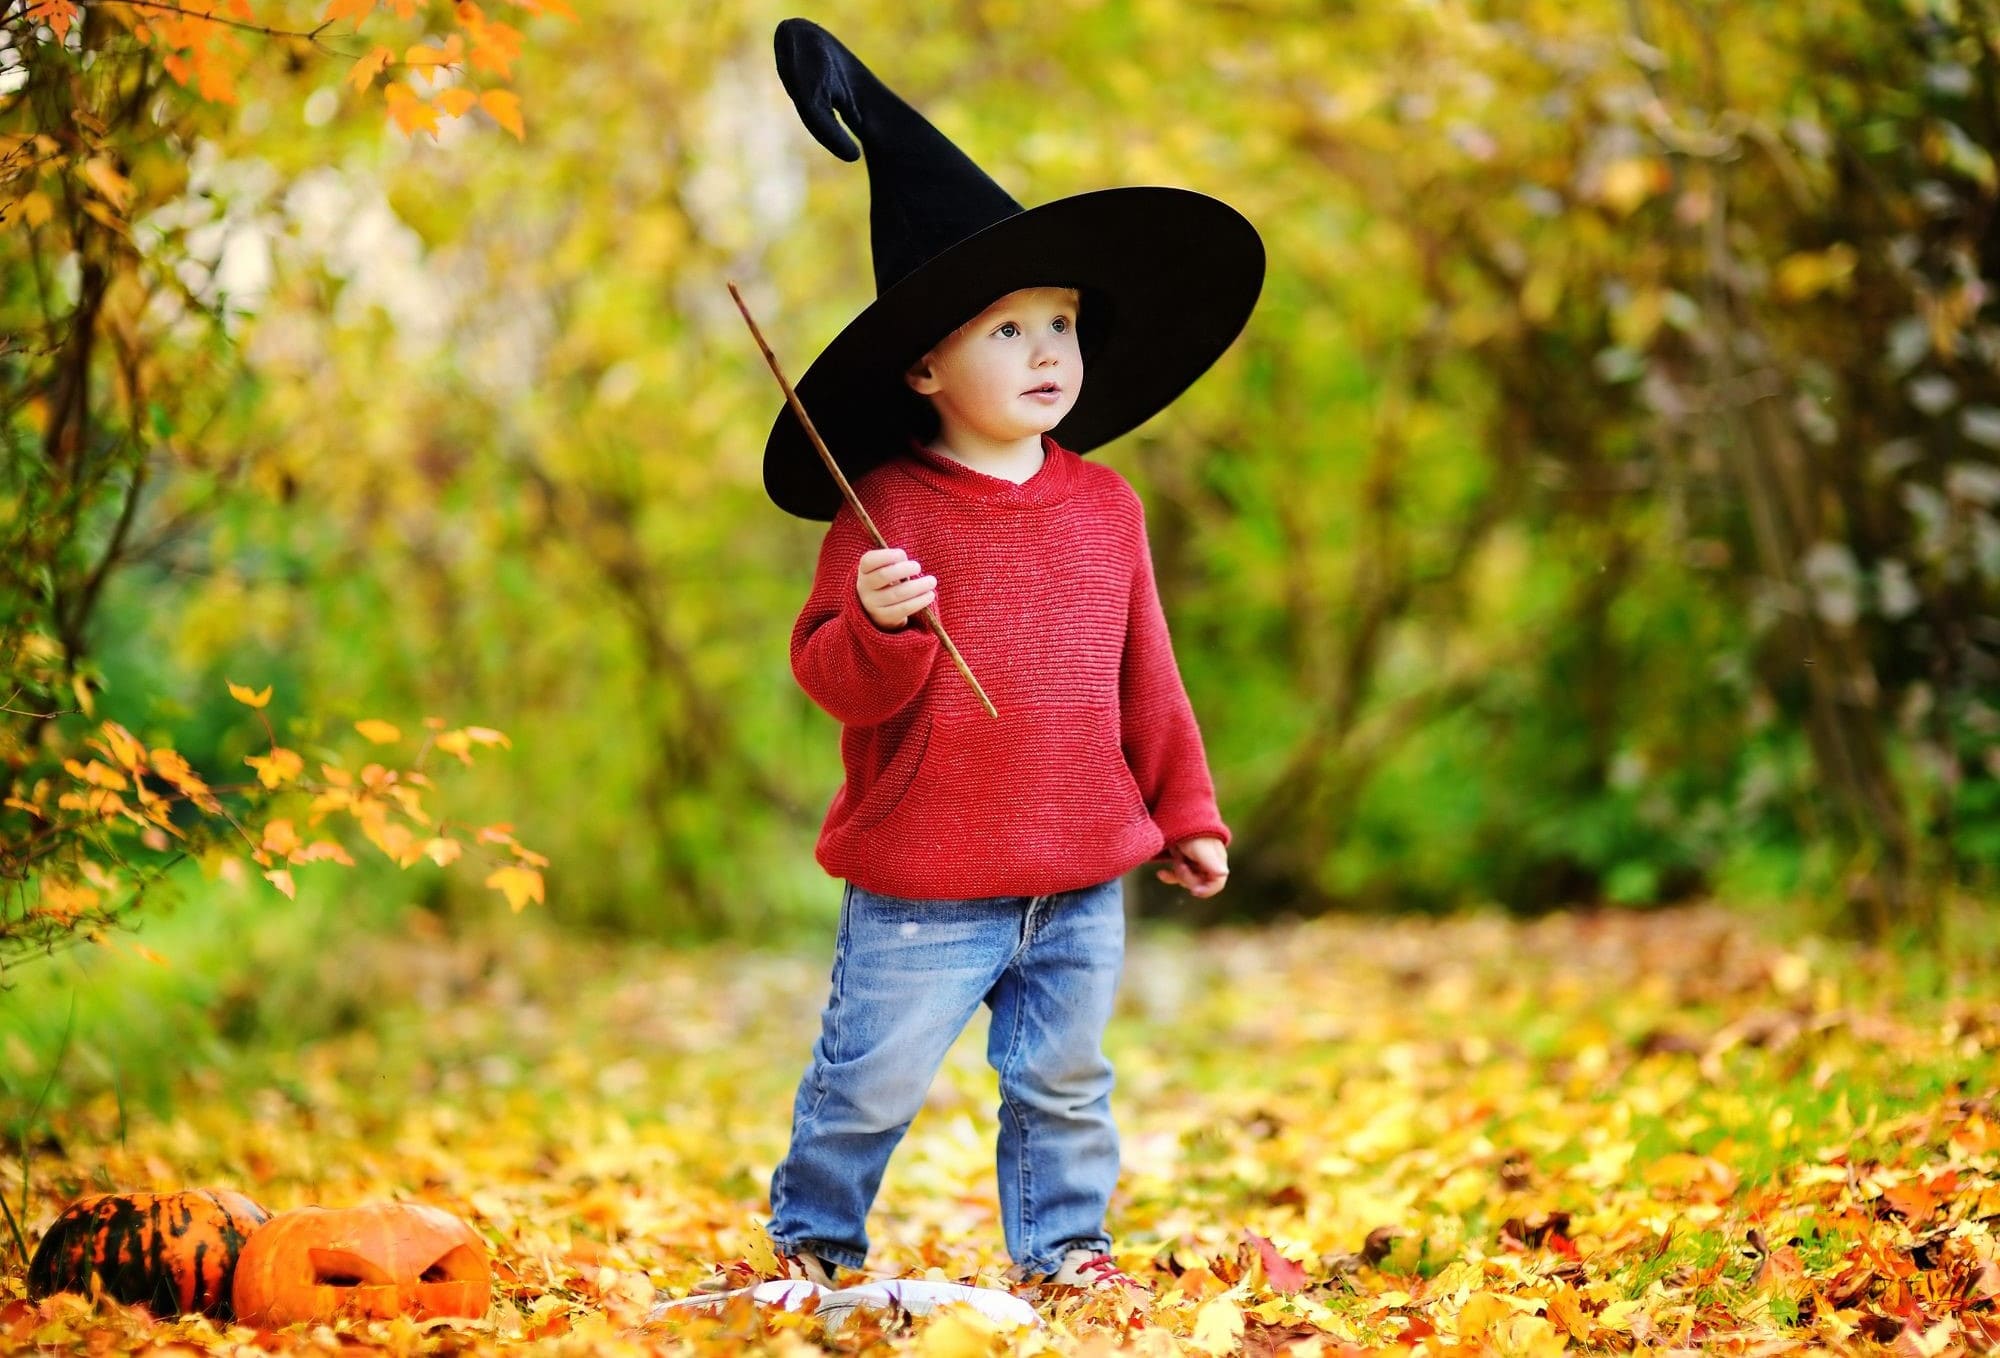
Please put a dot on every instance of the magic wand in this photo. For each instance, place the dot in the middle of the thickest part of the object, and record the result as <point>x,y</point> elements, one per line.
<point>929,613</point>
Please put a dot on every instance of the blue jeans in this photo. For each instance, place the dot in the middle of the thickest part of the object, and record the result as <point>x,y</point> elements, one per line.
<point>907,976</point>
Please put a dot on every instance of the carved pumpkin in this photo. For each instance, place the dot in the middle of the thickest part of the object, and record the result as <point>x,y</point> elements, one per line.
<point>379,1259</point>
<point>169,1252</point>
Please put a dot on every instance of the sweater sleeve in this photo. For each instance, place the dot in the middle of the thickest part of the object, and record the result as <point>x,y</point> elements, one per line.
<point>860,673</point>
<point>1161,741</point>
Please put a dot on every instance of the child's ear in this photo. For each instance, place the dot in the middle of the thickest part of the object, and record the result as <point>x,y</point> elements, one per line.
<point>920,377</point>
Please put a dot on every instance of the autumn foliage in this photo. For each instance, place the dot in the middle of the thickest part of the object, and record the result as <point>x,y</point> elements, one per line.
<point>94,815</point>
<point>1609,1133</point>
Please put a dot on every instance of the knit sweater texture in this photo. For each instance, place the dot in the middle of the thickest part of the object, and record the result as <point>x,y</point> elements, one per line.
<point>1095,763</point>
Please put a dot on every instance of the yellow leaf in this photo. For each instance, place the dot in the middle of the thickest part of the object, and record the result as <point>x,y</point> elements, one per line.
<point>1218,1326</point>
<point>486,735</point>
<point>1629,182</point>
<point>457,100</point>
<point>281,878</point>
<point>124,749</point>
<point>365,70</point>
<point>80,686</point>
<point>280,838</point>
<point>1530,1336</point>
<point>169,765</point>
<point>247,696</point>
<point>356,10</point>
<point>394,840</point>
<point>443,852</point>
<point>1566,1310</point>
<point>411,114</point>
<point>759,1253</point>
<point>379,732</point>
<point>425,55</point>
<point>36,208</point>
<point>958,1333</point>
<point>97,773</point>
<point>1617,1315</point>
<point>115,187</point>
<point>1482,1311</point>
<point>1802,275</point>
<point>151,956</point>
<point>520,885</point>
<point>504,108</point>
<point>65,900</point>
<point>279,766</point>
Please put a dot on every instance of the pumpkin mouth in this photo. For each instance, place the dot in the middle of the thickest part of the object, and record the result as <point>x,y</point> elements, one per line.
<point>344,1268</point>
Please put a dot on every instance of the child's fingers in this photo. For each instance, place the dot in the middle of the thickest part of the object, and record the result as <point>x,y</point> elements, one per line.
<point>893,574</point>
<point>876,557</point>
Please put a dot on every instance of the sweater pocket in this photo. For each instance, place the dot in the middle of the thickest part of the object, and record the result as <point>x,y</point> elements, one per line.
<point>889,788</point>
<point>1048,776</point>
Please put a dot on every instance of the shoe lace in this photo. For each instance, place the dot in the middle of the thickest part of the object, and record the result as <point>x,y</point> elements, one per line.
<point>1104,1269</point>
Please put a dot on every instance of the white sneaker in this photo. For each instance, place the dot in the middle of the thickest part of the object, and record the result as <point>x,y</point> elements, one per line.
<point>835,1307</point>
<point>919,1297</point>
<point>739,1275</point>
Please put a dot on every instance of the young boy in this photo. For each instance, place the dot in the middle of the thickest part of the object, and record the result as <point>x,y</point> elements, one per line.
<point>983,856</point>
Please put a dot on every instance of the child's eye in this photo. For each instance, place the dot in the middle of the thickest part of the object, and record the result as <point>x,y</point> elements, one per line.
<point>1061,324</point>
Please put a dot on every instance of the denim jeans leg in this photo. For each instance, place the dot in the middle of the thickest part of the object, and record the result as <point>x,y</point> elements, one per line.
<point>907,976</point>
<point>1057,1160</point>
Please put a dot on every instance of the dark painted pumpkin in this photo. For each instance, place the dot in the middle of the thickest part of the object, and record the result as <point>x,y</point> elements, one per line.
<point>169,1252</point>
<point>379,1259</point>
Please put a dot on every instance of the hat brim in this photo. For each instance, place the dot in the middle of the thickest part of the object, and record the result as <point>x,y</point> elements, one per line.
<point>1170,277</point>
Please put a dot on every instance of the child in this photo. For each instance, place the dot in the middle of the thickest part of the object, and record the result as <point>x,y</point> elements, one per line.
<point>983,856</point>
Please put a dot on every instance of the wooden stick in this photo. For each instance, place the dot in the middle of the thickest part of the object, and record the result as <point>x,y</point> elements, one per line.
<point>929,613</point>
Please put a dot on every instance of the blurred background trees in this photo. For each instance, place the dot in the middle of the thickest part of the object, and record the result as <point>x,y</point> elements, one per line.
<point>1600,506</point>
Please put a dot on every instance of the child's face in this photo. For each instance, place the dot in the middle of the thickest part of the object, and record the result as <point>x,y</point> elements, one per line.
<point>986,376</point>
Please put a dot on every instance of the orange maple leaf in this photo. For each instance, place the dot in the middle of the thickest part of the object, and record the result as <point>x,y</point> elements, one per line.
<point>504,107</point>
<point>367,68</point>
<point>410,113</point>
<point>57,14</point>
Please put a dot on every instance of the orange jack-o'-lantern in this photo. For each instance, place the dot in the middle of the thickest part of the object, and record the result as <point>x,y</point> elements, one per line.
<point>169,1252</point>
<point>379,1259</point>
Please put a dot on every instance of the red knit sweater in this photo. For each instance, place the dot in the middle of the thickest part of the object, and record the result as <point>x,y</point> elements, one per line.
<point>1094,764</point>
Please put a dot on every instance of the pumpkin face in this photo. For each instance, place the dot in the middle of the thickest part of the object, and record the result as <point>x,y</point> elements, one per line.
<point>169,1252</point>
<point>380,1259</point>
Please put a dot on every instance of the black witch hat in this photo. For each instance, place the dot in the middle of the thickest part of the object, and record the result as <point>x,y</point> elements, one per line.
<point>1168,277</point>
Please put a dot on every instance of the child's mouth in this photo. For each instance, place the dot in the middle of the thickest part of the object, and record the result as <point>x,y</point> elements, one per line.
<point>1048,393</point>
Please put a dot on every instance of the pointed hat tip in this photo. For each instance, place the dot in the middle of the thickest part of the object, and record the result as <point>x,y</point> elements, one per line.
<point>817,72</point>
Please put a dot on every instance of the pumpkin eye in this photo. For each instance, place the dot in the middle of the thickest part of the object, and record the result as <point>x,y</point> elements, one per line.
<point>344,1268</point>
<point>463,1263</point>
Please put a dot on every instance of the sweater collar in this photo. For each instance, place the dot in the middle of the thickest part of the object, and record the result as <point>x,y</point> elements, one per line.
<point>1052,482</point>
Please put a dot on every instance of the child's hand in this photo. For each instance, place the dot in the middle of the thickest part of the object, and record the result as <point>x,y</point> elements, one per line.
<point>890,587</point>
<point>1201,864</point>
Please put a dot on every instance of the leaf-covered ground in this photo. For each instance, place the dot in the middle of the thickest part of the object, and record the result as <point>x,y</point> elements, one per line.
<point>1591,1133</point>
